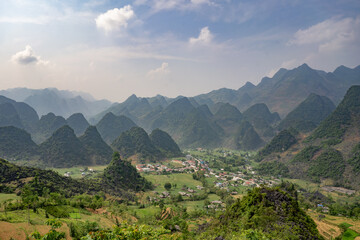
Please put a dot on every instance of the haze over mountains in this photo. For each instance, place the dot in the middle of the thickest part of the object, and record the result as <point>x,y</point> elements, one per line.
<point>246,118</point>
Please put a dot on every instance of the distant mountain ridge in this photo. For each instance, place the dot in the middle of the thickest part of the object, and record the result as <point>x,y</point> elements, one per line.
<point>60,102</point>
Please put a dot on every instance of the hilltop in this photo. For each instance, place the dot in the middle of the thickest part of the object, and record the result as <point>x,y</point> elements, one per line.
<point>98,151</point>
<point>264,213</point>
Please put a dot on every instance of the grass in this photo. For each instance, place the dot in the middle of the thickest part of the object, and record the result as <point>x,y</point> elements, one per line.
<point>349,235</point>
<point>179,179</point>
<point>6,196</point>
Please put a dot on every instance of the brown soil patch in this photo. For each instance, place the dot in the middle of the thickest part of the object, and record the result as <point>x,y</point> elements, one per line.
<point>327,230</point>
<point>19,231</point>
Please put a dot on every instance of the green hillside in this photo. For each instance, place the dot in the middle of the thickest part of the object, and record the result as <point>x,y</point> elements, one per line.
<point>78,122</point>
<point>165,143</point>
<point>346,113</point>
<point>110,126</point>
<point>264,213</point>
<point>308,115</point>
<point>63,149</point>
<point>99,152</point>
<point>262,119</point>
<point>136,142</point>
<point>330,152</point>
<point>16,144</point>
<point>120,175</point>
<point>280,143</point>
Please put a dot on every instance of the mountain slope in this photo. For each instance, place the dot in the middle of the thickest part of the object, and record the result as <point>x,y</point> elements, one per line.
<point>111,126</point>
<point>46,126</point>
<point>99,152</point>
<point>27,114</point>
<point>165,143</point>
<point>78,122</point>
<point>331,151</point>
<point>9,116</point>
<point>136,142</point>
<point>264,213</point>
<point>308,114</point>
<point>120,174</point>
<point>16,144</point>
<point>262,119</point>
<point>63,149</point>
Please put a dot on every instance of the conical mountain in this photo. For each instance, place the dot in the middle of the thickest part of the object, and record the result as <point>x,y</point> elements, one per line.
<point>111,126</point>
<point>100,153</point>
<point>136,142</point>
<point>46,126</point>
<point>172,115</point>
<point>262,119</point>
<point>197,130</point>
<point>228,112</point>
<point>63,149</point>
<point>120,175</point>
<point>78,122</point>
<point>16,144</point>
<point>165,143</point>
<point>308,114</point>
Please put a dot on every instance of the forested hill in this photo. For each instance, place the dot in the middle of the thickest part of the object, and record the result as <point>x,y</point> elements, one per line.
<point>264,213</point>
<point>137,143</point>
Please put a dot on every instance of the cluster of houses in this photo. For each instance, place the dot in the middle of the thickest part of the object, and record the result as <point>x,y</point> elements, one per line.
<point>83,172</point>
<point>188,165</point>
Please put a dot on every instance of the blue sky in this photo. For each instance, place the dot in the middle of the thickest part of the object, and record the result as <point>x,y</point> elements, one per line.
<point>113,49</point>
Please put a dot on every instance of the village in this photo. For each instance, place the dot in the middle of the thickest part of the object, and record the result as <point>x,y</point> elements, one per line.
<point>231,182</point>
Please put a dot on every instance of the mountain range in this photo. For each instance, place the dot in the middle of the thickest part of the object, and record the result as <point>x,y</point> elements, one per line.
<point>61,149</point>
<point>246,118</point>
<point>330,152</point>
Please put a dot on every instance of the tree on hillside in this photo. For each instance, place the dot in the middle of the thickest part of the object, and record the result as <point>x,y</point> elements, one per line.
<point>167,186</point>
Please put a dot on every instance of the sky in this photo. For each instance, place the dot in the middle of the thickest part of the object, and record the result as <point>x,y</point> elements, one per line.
<point>113,49</point>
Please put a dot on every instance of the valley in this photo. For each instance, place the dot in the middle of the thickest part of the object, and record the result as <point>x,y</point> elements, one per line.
<point>187,167</point>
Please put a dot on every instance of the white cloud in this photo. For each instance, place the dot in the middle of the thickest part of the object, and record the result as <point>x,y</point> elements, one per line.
<point>27,57</point>
<point>204,37</point>
<point>330,35</point>
<point>161,71</point>
<point>115,19</point>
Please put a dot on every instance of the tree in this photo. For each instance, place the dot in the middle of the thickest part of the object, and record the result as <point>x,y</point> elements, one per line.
<point>52,234</point>
<point>167,186</point>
